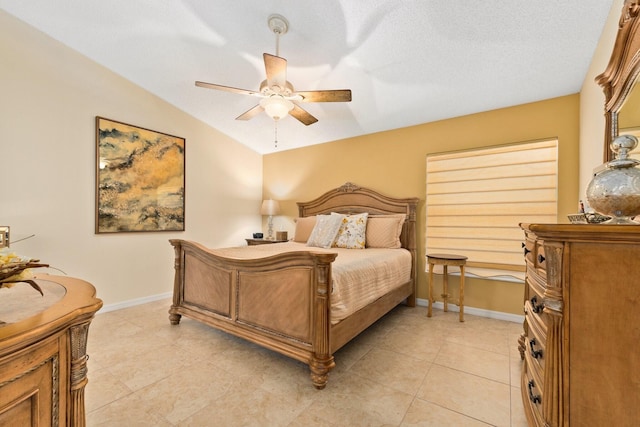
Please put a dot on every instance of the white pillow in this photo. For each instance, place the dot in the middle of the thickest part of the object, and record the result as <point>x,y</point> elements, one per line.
<point>352,232</point>
<point>325,231</point>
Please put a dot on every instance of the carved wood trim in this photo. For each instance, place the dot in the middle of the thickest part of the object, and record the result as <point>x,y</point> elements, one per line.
<point>78,335</point>
<point>78,338</point>
<point>553,292</point>
<point>322,360</point>
<point>178,295</point>
<point>553,399</point>
<point>622,70</point>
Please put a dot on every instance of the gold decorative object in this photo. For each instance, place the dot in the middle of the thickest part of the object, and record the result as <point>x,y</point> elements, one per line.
<point>15,269</point>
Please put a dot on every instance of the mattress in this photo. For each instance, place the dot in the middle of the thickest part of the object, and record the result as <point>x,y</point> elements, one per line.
<point>359,276</point>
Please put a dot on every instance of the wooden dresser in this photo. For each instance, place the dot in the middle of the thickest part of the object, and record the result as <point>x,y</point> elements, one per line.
<point>43,369</point>
<point>582,325</point>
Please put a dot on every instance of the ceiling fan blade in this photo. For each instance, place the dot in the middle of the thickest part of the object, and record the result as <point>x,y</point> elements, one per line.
<point>276,69</point>
<point>342,95</point>
<point>250,113</point>
<point>228,89</point>
<point>302,115</point>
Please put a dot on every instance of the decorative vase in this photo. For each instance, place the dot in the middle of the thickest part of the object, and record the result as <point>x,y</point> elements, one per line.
<point>615,191</point>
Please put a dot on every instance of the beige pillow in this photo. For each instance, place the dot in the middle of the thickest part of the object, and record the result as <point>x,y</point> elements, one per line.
<point>383,231</point>
<point>304,227</point>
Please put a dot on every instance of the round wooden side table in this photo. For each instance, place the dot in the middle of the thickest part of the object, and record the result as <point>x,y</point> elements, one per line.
<point>445,260</point>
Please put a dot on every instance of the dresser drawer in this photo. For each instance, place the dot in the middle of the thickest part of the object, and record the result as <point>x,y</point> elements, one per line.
<point>536,285</point>
<point>532,395</point>
<point>529,247</point>
<point>534,254</point>
<point>540,261</point>
<point>536,339</point>
<point>535,358</point>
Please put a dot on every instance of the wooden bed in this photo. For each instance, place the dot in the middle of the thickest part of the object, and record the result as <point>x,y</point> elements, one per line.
<point>282,302</point>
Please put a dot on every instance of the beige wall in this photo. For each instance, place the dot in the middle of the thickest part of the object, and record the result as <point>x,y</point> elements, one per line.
<point>49,97</point>
<point>592,102</point>
<point>394,163</point>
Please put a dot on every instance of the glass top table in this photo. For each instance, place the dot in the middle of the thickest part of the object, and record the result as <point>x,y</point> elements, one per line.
<point>21,301</point>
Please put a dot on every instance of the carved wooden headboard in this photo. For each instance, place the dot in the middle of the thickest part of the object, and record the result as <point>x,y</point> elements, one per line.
<point>353,199</point>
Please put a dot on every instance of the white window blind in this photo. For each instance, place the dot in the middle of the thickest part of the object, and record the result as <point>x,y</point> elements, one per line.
<point>476,200</point>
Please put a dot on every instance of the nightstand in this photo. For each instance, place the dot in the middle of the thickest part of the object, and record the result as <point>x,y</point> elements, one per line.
<point>254,242</point>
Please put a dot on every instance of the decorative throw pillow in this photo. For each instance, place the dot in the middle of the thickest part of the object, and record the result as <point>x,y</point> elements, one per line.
<point>325,231</point>
<point>352,232</point>
<point>304,227</point>
<point>383,231</point>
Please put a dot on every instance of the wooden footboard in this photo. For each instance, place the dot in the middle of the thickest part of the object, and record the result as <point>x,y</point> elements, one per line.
<point>279,302</point>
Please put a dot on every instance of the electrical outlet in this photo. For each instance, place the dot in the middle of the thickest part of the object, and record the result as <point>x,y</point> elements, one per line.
<point>4,236</point>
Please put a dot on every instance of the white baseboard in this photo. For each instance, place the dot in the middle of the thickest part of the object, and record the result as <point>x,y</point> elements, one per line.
<point>509,317</point>
<point>133,302</point>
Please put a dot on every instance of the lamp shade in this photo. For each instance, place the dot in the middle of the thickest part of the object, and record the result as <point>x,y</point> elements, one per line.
<point>270,207</point>
<point>276,107</point>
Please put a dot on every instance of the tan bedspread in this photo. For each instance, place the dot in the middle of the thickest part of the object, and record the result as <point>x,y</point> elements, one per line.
<point>360,276</point>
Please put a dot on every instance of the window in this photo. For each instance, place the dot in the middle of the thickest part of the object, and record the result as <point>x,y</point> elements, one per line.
<point>476,200</point>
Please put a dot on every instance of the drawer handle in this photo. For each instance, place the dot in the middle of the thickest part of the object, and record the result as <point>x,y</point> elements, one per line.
<point>526,251</point>
<point>532,397</point>
<point>541,259</point>
<point>537,308</point>
<point>535,353</point>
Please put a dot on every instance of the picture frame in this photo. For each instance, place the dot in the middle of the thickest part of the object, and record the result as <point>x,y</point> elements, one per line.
<point>140,179</point>
<point>4,236</point>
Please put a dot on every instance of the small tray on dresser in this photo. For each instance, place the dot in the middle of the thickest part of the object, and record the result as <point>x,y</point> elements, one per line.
<point>587,218</point>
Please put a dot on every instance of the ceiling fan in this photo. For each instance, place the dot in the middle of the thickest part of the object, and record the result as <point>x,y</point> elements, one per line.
<point>278,97</point>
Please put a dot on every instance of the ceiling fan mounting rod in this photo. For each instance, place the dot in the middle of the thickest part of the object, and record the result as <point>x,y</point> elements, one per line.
<point>279,25</point>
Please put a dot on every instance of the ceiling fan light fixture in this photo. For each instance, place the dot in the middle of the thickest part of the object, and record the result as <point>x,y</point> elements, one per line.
<point>276,107</point>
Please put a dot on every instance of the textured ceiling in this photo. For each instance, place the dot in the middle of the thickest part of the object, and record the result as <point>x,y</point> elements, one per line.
<point>406,62</point>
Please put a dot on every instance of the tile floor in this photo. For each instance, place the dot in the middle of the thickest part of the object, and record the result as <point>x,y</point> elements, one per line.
<point>406,370</point>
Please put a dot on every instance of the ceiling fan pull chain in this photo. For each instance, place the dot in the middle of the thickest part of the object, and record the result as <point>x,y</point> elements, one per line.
<point>276,133</point>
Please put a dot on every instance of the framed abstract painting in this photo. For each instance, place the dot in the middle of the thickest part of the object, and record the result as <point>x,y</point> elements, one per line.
<point>140,179</point>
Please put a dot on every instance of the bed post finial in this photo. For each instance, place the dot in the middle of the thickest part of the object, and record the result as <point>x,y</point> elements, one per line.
<point>348,187</point>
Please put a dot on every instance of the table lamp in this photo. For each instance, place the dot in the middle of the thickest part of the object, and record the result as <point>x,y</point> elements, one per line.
<point>270,207</point>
